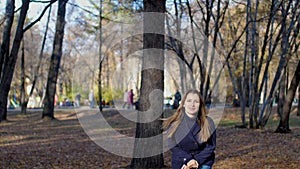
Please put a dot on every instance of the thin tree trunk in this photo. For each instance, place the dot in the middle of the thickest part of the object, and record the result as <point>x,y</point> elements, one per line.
<point>298,112</point>
<point>182,70</point>
<point>23,101</point>
<point>10,62</point>
<point>265,89</point>
<point>283,34</point>
<point>196,48</point>
<point>251,65</point>
<point>257,69</point>
<point>226,62</point>
<point>121,61</point>
<point>179,51</point>
<point>284,122</point>
<point>212,58</point>
<point>100,59</point>
<point>48,110</point>
<point>204,80</point>
<point>243,100</point>
<point>37,68</point>
<point>281,95</point>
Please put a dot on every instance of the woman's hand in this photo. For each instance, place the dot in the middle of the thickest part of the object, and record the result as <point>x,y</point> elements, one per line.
<point>192,164</point>
<point>184,167</point>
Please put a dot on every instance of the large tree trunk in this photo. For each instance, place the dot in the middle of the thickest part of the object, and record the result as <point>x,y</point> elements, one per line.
<point>48,110</point>
<point>10,62</point>
<point>4,50</point>
<point>152,80</point>
<point>284,122</point>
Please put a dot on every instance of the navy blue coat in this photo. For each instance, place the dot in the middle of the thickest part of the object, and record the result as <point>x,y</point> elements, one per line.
<point>186,144</point>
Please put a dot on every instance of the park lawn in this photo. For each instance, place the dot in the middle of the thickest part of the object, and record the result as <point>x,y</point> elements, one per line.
<point>27,141</point>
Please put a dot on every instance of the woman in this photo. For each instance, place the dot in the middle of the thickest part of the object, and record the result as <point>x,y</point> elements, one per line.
<point>191,134</point>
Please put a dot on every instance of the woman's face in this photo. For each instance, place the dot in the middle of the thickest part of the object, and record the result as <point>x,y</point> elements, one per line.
<point>192,104</point>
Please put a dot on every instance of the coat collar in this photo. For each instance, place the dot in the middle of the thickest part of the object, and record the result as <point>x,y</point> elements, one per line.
<point>195,129</point>
<point>195,126</point>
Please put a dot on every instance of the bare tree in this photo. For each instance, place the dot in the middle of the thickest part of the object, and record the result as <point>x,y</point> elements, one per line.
<point>176,45</point>
<point>283,126</point>
<point>10,61</point>
<point>24,98</point>
<point>9,19</point>
<point>287,43</point>
<point>100,58</point>
<point>23,93</point>
<point>48,110</point>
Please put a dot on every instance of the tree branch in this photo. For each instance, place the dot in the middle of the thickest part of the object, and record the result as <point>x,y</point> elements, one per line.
<point>39,18</point>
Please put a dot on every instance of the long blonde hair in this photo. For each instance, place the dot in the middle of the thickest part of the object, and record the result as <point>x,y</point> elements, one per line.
<point>175,120</point>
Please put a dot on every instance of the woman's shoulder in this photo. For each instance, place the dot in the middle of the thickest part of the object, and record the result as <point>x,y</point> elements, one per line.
<point>211,122</point>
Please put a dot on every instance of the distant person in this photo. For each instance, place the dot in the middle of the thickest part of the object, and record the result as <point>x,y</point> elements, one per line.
<point>130,98</point>
<point>137,104</point>
<point>208,101</point>
<point>15,97</point>
<point>8,102</point>
<point>125,99</point>
<point>236,102</point>
<point>91,99</point>
<point>177,99</point>
<point>191,134</point>
<point>77,100</point>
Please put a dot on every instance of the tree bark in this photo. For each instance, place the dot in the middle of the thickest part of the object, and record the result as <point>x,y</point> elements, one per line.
<point>151,79</point>
<point>48,110</point>
<point>298,112</point>
<point>100,58</point>
<point>283,126</point>
<point>9,14</point>
<point>23,100</point>
<point>281,95</point>
<point>10,62</point>
<point>283,34</point>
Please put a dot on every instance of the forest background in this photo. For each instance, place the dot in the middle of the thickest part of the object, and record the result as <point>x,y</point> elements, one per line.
<point>249,54</point>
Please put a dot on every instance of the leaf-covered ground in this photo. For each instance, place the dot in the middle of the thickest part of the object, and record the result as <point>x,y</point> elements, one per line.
<point>27,141</point>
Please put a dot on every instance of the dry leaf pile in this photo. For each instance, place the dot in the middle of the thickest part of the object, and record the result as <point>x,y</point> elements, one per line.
<point>27,141</point>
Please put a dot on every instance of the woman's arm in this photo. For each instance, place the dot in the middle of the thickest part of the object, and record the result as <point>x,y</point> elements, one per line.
<point>208,151</point>
<point>178,151</point>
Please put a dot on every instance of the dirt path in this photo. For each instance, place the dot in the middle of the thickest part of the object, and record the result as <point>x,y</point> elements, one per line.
<point>27,141</point>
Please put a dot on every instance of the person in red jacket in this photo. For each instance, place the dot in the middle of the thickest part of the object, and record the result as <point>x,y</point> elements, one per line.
<point>191,134</point>
<point>130,98</point>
